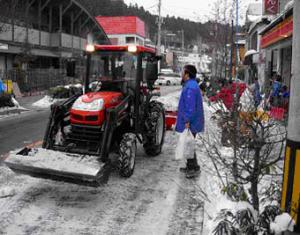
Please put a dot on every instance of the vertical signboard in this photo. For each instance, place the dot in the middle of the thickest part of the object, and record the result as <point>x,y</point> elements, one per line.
<point>271,7</point>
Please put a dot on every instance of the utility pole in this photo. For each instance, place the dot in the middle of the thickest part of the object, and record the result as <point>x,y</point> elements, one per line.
<point>237,44</point>
<point>291,178</point>
<point>236,100</point>
<point>182,40</point>
<point>159,33</point>
<point>226,41</point>
<point>231,51</point>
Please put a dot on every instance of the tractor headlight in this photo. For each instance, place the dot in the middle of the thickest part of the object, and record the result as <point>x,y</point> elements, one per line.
<point>95,105</point>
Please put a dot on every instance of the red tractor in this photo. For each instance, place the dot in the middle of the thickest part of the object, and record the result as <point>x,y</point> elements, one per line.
<point>89,134</point>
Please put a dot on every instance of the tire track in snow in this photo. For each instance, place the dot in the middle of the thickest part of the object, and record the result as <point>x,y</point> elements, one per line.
<point>141,204</point>
<point>189,214</point>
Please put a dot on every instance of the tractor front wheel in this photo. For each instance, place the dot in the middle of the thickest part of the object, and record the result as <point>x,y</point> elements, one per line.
<point>155,126</point>
<point>127,155</point>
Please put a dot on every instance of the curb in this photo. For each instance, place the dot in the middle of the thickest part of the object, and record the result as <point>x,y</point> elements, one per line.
<point>12,111</point>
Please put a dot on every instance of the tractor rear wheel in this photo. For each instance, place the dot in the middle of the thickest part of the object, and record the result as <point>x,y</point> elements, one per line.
<point>155,126</point>
<point>127,155</point>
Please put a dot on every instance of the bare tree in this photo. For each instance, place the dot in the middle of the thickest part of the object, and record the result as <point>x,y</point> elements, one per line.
<point>257,141</point>
<point>255,144</point>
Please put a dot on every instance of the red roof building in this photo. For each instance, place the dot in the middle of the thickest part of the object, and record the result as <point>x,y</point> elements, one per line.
<point>123,29</point>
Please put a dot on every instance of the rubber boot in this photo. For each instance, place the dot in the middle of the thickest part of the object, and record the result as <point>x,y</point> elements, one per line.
<point>192,164</point>
<point>189,165</point>
<point>193,168</point>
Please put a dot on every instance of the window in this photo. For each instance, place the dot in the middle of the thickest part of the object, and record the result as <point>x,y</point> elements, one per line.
<point>130,40</point>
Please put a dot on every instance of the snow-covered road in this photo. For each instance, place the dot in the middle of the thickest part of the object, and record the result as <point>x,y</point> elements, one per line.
<point>157,199</point>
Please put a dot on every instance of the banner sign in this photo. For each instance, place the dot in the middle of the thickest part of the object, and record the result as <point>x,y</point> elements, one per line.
<point>271,7</point>
<point>280,32</point>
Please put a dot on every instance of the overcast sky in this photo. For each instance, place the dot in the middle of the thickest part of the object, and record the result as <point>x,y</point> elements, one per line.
<point>197,10</point>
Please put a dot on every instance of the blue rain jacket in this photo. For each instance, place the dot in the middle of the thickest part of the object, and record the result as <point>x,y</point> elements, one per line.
<point>276,89</point>
<point>2,87</point>
<point>190,108</point>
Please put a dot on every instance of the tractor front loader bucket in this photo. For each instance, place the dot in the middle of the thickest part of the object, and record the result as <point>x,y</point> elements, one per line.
<point>60,166</point>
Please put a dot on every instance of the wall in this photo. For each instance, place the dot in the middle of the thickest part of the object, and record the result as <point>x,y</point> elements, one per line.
<point>47,39</point>
<point>121,38</point>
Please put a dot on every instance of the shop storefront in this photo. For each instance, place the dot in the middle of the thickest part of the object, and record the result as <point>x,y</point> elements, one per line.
<point>277,42</point>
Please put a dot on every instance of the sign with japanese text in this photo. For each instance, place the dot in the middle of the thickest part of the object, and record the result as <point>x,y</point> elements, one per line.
<point>271,7</point>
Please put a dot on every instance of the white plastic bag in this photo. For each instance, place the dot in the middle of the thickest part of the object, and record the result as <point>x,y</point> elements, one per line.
<point>185,145</point>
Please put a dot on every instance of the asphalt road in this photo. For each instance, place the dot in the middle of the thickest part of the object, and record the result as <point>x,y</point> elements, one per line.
<point>29,127</point>
<point>21,130</point>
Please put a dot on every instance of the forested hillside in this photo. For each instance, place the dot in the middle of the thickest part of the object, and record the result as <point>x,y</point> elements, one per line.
<point>191,29</point>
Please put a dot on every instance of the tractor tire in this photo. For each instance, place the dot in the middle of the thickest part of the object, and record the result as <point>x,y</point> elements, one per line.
<point>127,155</point>
<point>155,127</point>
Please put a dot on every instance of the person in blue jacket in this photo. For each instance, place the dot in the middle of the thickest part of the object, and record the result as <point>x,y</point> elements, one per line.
<point>255,89</point>
<point>2,87</point>
<point>190,114</point>
<point>276,89</point>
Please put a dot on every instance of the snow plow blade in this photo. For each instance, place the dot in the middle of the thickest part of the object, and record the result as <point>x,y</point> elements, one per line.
<point>59,166</point>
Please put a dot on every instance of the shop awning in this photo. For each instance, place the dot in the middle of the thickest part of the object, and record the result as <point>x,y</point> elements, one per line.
<point>249,57</point>
<point>279,29</point>
<point>250,52</point>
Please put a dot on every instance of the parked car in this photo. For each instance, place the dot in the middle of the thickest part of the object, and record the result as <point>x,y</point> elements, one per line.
<point>168,79</point>
<point>166,71</point>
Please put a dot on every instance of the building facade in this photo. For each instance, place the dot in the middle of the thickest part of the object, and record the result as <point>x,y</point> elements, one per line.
<point>38,37</point>
<point>123,30</point>
<point>255,55</point>
<point>269,42</point>
<point>276,41</point>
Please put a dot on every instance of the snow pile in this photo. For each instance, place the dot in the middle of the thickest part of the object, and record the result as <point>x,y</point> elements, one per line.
<point>282,223</point>
<point>45,102</point>
<point>141,204</point>
<point>246,101</point>
<point>289,5</point>
<point>15,102</point>
<point>78,85</point>
<point>54,160</point>
<point>11,111</point>
<point>7,192</point>
<point>170,101</point>
<point>16,105</point>
<point>7,108</point>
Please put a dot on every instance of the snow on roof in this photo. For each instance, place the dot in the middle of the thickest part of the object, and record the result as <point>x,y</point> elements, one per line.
<point>277,19</point>
<point>253,18</point>
<point>250,52</point>
<point>261,20</point>
<point>289,5</point>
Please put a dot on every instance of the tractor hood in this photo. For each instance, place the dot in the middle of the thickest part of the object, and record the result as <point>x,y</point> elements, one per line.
<point>89,109</point>
<point>96,101</point>
<point>109,98</point>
